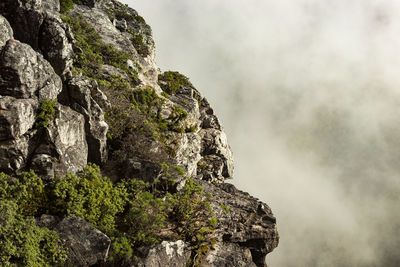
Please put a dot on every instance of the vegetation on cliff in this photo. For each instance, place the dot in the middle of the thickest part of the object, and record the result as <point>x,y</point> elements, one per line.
<point>114,109</point>
<point>131,212</point>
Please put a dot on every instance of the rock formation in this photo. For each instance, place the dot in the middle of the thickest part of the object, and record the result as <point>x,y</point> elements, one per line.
<point>66,101</point>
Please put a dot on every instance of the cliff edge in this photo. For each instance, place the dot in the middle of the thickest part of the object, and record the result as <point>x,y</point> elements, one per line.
<point>106,161</point>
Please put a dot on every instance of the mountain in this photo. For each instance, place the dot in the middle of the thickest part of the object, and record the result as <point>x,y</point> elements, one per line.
<point>104,159</point>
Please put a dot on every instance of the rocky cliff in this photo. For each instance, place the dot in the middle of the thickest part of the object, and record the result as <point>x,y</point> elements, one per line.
<point>85,116</point>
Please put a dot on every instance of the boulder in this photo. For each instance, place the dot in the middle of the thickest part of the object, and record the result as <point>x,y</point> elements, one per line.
<point>61,147</point>
<point>17,116</point>
<point>86,245</point>
<point>24,73</point>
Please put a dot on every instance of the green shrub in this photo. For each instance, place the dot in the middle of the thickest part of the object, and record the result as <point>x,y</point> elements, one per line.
<point>139,44</point>
<point>66,5</point>
<point>131,212</point>
<point>88,195</point>
<point>46,113</point>
<point>26,190</point>
<point>145,214</point>
<point>22,243</point>
<point>171,81</point>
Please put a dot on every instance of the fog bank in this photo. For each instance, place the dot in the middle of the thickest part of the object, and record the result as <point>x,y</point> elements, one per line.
<point>308,92</point>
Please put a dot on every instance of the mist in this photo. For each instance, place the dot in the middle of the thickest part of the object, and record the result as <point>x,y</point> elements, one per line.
<point>308,92</point>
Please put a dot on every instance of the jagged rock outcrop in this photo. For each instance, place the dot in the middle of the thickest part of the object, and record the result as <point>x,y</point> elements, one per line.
<point>243,220</point>
<point>26,80</point>
<point>65,101</point>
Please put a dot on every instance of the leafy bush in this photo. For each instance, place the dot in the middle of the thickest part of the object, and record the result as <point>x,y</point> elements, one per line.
<point>46,113</point>
<point>26,190</point>
<point>22,243</point>
<point>131,212</point>
<point>145,214</point>
<point>90,196</point>
<point>66,5</point>
<point>171,81</point>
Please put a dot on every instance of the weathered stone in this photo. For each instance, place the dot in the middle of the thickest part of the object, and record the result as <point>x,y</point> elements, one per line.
<point>78,96</point>
<point>166,254</point>
<point>102,24</point>
<point>228,255</point>
<point>210,168</point>
<point>38,23</point>
<point>14,154</point>
<point>187,151</point>
<point>50,6</point>
<point>25,74</point>
<point>64,142</point>
<point>85,244</point>
<point>43,165</point>
<point>17,116</point>
<point>6,31</point>
<point>215,149</point>
<point>25,17</point>
<point>55,42</point>
<point>98,96</point>
<point>184,97</point>
<point>110,71</point>
<point>243,220</point>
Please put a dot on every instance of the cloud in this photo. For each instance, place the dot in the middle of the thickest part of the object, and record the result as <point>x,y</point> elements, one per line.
<point>309,94</point>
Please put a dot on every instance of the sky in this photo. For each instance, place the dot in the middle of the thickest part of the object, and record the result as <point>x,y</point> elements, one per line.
<point>308,92</point>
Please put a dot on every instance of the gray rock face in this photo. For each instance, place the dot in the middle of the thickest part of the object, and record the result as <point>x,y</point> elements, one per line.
<point>79,97</point>
<point>187,148</point>
<point>64,142</point>
<point>216,153</point>
<point>243,220</point>
<point>205,153</point>
<point>166,254</point>
<point>6,31</point>
<point>25,74</point>
<point>25,18</point>
<point>14,154</point>
<point>27,79</point>
<point>17,116</point>
<point>86,245</point>
<point>55,42</point>
<point>37,67</point>
<point>37,23</point>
